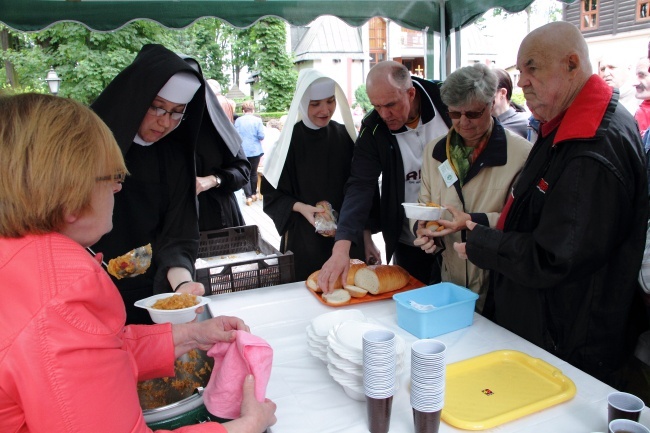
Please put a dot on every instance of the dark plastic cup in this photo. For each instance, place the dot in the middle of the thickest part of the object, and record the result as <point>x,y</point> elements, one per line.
<point>627,426</point>
<point>621,405</point>
<point>379,414</point>
<point>426,422</point>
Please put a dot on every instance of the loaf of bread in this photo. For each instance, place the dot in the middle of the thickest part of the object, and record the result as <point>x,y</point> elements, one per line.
<point>355,265</point>
<point>381,278</point>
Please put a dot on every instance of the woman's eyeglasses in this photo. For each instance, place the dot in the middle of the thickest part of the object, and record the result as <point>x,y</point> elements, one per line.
<point>160,112</point>
<point>469,114</point>
<point>118,178</point>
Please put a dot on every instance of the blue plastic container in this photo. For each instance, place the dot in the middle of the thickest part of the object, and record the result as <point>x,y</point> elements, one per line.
<point>453,309</point>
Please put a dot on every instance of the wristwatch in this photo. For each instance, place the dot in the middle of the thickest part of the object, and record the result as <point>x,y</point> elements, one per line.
<point>218,179</point>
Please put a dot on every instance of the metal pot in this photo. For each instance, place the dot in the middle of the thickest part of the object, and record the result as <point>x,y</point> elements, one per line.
<point>177,401</point>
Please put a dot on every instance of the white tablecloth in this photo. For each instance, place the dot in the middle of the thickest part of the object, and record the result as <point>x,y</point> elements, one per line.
<point>309,400</point>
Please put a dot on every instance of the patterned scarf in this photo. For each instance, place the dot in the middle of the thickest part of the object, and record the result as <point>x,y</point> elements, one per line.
<point>460,156</point>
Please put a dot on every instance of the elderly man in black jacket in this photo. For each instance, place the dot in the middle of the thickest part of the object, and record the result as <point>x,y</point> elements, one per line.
<point>408,113</point>
<point>567,250</point>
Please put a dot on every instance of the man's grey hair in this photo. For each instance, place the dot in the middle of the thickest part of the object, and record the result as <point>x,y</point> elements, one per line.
<point>401,77</point>
<point>476,83</point>
<point>390,73</point>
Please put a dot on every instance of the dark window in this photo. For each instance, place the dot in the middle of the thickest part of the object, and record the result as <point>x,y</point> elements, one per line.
<point>642,10</point>
<point>377,35</point>
<point>589,15</point>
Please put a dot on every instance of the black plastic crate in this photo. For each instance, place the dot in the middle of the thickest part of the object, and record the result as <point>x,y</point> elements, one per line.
<point>245,274</point>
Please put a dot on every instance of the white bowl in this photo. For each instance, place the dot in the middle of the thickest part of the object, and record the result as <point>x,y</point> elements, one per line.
<point>322,324</point>
<point>422,212</point>
<point>354,393</point>
<point>182,315</point>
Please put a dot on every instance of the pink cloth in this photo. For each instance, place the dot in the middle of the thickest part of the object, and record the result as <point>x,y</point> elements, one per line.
<point>247,354</point>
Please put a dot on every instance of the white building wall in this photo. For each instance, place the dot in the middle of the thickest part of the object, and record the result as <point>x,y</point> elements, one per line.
<point>631,45</point>
<point>345,71</point>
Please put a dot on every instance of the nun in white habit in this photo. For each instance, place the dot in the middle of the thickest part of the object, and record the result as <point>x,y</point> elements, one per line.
<point>310,163</point>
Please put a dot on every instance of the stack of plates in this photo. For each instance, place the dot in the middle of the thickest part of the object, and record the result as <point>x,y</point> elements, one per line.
<point>319,328</point>
<point>336,339</point>
<point>345,355</point>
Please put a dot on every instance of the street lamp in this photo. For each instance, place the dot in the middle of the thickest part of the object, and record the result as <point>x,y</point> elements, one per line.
<point>53,81</point>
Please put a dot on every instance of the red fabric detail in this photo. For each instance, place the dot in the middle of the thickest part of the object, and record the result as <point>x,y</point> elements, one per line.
<point>584,115</point>
<point>542,185</point>
<point>551,125</point>
<point>98,258</point>
<point>642,115</point>
<point>480,147</point>
<point>504,212</point>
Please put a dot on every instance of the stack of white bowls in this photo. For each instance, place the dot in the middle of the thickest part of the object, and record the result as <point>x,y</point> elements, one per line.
<point>319,328</point>
<point>336,339</point>
<point>345,355</point>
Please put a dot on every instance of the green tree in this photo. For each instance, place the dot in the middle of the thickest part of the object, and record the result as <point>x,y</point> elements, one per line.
<point>208,41</point>
<point>85,61</point>
<point>361,97</point>
<point>277,77</point>
<point>241,51</point>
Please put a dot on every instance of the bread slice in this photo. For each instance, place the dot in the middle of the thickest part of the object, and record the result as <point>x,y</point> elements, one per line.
<point>337,297</point>
<point>356,292</point>
<point>381,278</point>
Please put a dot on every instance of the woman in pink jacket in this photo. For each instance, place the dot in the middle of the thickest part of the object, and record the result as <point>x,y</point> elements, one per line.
<point>67,362</point>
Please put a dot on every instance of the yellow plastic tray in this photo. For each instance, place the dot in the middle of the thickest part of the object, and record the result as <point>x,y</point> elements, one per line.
<point>498,387</point>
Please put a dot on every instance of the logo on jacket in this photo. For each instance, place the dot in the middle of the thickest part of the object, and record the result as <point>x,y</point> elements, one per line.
<point>487,391</point>
<point>413,176</point>
<point>542,186</point>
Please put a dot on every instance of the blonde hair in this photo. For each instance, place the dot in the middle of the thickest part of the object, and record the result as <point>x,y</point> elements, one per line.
<point>248,106</point>
<point>52,150</point>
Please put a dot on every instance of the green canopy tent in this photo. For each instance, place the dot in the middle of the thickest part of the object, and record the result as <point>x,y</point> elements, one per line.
<point>107,15</point>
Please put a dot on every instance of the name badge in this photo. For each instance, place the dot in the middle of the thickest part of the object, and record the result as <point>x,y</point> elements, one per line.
<point>447,173</point>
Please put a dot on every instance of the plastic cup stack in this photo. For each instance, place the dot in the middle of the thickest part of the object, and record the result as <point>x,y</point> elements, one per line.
<point>379,377</point>
<point>379,363</point>
<point>428,368</point>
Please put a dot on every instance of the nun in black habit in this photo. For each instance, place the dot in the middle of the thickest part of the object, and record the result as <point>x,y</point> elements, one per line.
<point>158,202</point>
<point>221,165</point>
<point>310,163</point>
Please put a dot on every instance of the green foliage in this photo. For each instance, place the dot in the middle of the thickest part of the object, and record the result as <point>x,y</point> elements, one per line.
<point>274,65</point>
<point>518,97</point>
<point>207,41</point>
<point>87,61</point>
<point>268,115</point>
<point>361,97</point>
